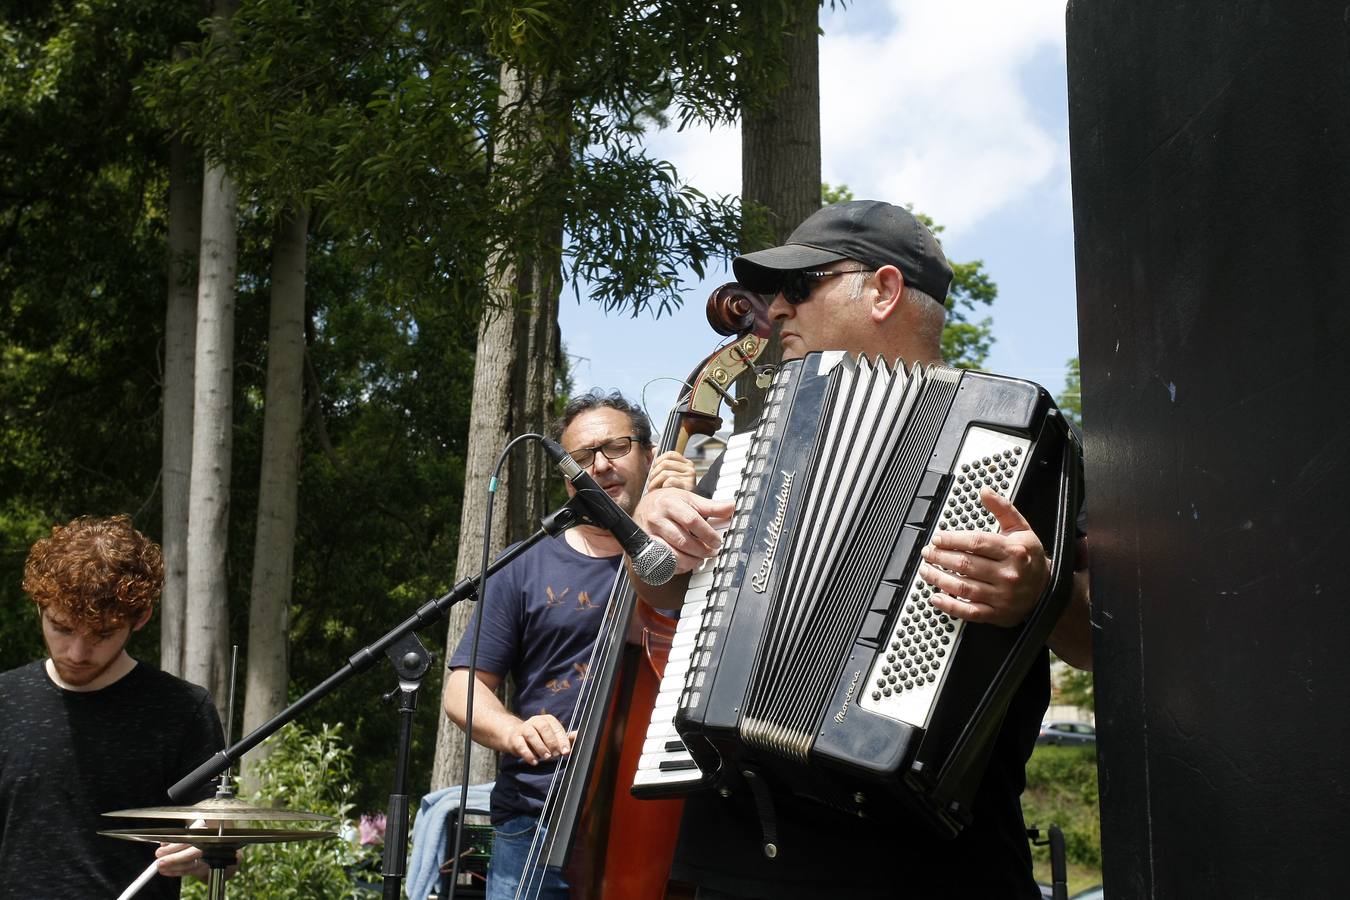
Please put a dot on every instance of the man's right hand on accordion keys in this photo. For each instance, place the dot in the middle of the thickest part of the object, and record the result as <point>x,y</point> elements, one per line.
<point>691,524</point>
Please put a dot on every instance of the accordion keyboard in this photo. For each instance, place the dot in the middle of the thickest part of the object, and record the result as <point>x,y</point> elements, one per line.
<point>665,760</point>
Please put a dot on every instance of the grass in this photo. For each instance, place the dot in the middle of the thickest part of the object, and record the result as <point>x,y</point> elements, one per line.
<point>1062,790</point>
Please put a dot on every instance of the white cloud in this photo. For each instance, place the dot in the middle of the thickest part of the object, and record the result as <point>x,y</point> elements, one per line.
<point>930,109</point>
<point>934,111</point>
<point>710,160</point>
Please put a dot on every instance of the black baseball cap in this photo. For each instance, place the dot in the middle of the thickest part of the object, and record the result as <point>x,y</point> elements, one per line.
<point>870,231</point>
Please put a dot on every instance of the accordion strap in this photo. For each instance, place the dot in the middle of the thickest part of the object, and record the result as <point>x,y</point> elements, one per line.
<point>955,782</point>
<point>768,818</point>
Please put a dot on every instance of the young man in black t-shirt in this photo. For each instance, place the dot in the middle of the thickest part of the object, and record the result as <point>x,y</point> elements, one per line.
<point>88,730</point>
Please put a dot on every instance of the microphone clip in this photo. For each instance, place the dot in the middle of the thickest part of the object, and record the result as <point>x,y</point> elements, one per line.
<point>563,518</point>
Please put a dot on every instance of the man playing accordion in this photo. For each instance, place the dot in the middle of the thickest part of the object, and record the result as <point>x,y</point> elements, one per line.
<point>867,277</point>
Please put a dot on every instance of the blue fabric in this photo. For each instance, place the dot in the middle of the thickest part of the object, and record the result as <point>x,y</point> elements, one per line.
<point>429,835</point>
<point>540,619</point>
<point>511,842</point>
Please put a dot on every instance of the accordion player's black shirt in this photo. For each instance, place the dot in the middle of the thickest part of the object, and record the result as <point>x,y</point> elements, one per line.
<point>824,853</point>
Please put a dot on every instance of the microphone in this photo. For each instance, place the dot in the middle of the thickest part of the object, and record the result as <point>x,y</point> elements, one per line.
<point>653,560</point>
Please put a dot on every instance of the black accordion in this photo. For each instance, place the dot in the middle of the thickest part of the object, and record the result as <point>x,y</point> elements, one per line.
<point>807,652</point>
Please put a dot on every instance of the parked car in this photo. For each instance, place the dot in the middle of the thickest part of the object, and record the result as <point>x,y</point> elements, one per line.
<point>1067,733</point>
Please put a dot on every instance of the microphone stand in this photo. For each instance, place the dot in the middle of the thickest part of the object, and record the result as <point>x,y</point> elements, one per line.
<point>411,660</point>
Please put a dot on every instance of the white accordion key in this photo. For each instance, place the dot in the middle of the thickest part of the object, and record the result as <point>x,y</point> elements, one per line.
<point>664,759</point>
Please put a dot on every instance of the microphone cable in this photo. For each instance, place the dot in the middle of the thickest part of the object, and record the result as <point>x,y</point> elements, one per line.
<point>473,656</point>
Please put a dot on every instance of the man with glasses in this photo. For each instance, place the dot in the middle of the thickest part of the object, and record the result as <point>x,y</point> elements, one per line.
<point>868,277</point>
<point>540,619</point>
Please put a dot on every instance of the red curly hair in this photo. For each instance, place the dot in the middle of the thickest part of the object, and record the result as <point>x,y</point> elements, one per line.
<point>96,573</point>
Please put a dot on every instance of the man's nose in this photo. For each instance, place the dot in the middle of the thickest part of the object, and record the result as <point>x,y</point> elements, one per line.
<point>780,308</point>
<point>79,649</point>
<point>601,463</point>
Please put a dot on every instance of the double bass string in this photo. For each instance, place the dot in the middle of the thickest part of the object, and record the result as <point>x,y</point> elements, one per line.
<point>546,836</point>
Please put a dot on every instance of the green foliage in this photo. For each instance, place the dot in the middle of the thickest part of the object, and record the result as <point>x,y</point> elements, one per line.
<point>388,120</point>
<point>82,276</point>
<point>308,772</point>
<point>965,342</point>
<point>82,283</point>
<point>1074,687</point>
<point>1070,399</point>
<point>834,193</point>
<point>1062,790</point>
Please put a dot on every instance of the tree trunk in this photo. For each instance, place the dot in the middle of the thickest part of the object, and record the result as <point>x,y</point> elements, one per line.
<point>512,394</point>
<point>180,332</point>
<point>780,163</point>
<point>274,543</point>
<point>207,632</point>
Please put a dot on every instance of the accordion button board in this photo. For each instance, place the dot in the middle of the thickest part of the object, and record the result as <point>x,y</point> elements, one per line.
<point>908,673</point>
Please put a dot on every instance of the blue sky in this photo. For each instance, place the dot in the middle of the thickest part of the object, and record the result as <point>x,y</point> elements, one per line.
<point>958,107</point>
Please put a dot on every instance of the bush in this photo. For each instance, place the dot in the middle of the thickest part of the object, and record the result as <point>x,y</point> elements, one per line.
<point>307,772</point>
<point>1062,790</point>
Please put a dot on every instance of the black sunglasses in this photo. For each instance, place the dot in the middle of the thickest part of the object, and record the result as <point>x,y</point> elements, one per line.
<point>614,448</point>
<point>796,286</point>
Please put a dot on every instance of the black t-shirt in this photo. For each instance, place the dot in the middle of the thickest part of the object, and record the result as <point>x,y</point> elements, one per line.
<point>824,853</point>
<point>67,757</point>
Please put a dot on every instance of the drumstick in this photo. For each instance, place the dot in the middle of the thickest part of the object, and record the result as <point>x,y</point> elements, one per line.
<point>141,881</point>
<point>144,878</point>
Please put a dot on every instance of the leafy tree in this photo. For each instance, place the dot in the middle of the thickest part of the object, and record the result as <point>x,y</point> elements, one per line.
<point>1075,687</point>
<point>81,323</point>
<point>577,84</point>
<point>1070,399</point>
<point>308,771</point>
<point>81,273</point>
<point>780,164</point>
<point>386,121</point>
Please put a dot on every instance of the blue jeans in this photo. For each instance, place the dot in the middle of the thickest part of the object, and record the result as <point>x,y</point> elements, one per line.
<point>511,842</point>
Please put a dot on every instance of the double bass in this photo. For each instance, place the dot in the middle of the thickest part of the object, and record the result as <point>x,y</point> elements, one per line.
<point>608,844</point>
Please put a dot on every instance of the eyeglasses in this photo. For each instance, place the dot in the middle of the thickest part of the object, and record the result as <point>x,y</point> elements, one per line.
<point>796,286</point>
<point>614,448</point>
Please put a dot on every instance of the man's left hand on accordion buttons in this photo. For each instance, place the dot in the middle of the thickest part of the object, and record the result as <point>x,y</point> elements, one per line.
<point>991,577</point>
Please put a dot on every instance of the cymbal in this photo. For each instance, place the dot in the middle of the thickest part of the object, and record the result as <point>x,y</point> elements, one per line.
<point>202,837</point>
<point>221,809</point>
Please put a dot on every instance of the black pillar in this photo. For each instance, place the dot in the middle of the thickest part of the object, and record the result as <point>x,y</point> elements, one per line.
<point>1210,143</point>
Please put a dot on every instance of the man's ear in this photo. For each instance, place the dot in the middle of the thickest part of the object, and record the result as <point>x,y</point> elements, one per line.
<point>889,286</point>
<point>143,620</point>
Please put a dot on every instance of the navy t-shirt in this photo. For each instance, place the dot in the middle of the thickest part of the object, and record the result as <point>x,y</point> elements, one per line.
<point>540,619</point>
